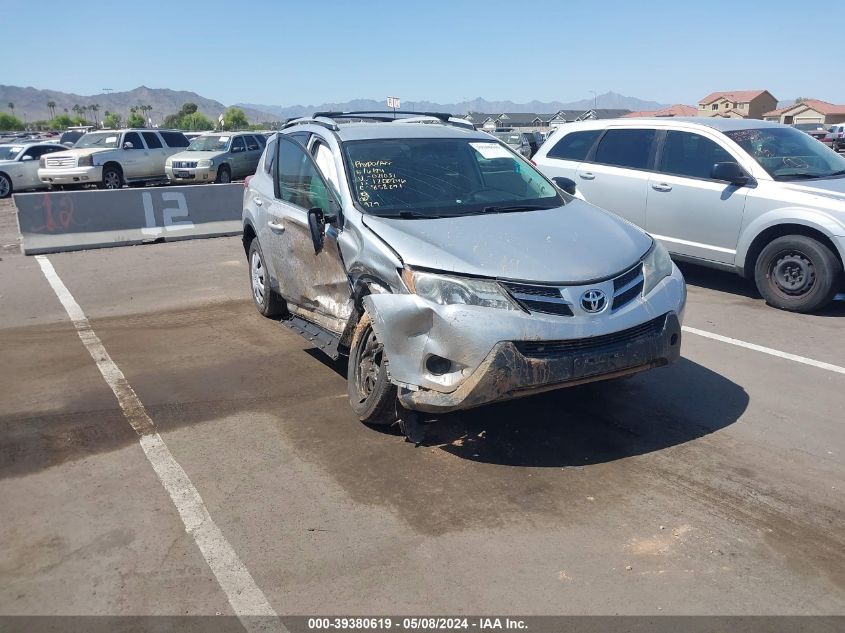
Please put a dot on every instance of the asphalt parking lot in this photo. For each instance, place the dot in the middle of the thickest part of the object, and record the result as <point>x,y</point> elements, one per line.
<point>713,486</point>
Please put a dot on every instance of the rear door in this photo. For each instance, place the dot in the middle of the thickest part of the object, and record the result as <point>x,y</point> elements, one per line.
<point>25,176</point>
<point>688,211</point>
<point>253,154</point>
<point>134,161</point>
<point>156,156</point>
<point>616,174</point>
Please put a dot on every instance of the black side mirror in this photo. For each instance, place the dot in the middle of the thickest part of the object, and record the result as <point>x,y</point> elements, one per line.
<point>317,226</point>
<point>729,172</point>
<point>567,184</point>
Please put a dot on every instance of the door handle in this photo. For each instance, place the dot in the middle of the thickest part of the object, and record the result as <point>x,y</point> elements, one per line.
<point>275,226</point>
<point>662,187</point>
<point>587,175</point>
<point>258,201</point>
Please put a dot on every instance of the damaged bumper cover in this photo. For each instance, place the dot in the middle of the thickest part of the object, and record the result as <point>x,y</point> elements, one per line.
<point>520,368</point>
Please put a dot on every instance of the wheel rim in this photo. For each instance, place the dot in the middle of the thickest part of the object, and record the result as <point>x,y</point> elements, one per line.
<point>225,177</point>
<point>369,364</point>
<point>5,186</point>
<point>111,180</point>
<point>793,273</point>
<point>257,274</point>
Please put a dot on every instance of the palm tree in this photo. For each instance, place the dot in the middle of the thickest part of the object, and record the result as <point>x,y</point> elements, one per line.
<point>12,108</point>
<point>77,109</point>
<point>94,107</point>
<point>51,105</point>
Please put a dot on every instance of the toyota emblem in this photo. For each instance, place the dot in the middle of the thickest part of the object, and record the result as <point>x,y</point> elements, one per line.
<point>593,301</point>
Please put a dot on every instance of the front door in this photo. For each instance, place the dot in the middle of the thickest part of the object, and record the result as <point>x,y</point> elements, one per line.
<point>688,211</point>
<point>315,285</point>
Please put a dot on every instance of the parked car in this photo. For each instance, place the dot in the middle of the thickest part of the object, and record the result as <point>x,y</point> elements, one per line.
<point>757,198</point>
<point>19,166</point>
<point>450,271</point>
<point>110,158</point>
<point>835,137</point>
<point>816,130</point>
<point>515,140</point>
<point>216,157</point>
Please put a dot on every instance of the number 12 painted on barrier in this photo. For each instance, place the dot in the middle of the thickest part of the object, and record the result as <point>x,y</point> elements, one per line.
<point>169,214</point>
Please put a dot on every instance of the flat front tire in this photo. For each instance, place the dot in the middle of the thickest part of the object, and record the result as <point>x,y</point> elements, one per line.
<point>371,394</point>
<point>266,301</point>
<point>797,273</point>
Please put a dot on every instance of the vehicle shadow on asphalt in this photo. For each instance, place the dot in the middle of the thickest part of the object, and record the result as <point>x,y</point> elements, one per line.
<point>595,423</point>
<point>722,281</point>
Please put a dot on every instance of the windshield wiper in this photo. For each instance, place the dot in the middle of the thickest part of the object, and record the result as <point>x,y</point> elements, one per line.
<point>840,172</point>
<point>799,175</point>
<point>513,208</point>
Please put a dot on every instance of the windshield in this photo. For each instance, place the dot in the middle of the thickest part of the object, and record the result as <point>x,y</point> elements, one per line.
<point>9,152</point>
<point>429,177</point>
<point>786,153</point>
<point>209,143</point>
<point>807,127</point>
<point>98,139</point>
<point>511,138</point>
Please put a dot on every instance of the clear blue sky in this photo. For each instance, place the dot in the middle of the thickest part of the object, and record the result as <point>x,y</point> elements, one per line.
<point>309,52</point>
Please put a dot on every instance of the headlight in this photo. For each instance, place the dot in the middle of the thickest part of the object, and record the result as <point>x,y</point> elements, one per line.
<point>447,290</point>
<point>42,162</point>
<point>85,161</point>
<point>168,163</point>
<point>206,162</point>
<point>656,266</point>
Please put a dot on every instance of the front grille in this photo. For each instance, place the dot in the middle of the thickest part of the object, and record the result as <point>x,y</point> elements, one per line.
<point>545,299</point>
<point>60,161</point>
<point>551,349</point>
<point>627,286</point>
<point>184,164</point>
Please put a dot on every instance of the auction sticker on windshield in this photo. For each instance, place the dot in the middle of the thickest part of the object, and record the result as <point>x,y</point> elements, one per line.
<point>491,150</point>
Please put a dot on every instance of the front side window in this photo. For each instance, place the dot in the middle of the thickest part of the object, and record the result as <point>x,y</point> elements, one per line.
<point>443,177</point>
<point>135,139</point>
<point>238,144</point>
<point>574,146</point>
<point>691,155</point>
<point>788,154</point>
<point>298,180</point>
<point>630,148</point>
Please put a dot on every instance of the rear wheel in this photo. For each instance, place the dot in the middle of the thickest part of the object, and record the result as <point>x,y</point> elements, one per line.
<point>266,301</point>
<point>5,186</point>
<point>371,394</point>
<point>797,273</point>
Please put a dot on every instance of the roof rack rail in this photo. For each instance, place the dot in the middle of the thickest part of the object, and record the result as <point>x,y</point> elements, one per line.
<point>381,115</point>
<point>317,119</point>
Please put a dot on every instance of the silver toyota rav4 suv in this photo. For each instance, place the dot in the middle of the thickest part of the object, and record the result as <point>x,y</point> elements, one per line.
<point>448,269</point>
<point>761,199</point>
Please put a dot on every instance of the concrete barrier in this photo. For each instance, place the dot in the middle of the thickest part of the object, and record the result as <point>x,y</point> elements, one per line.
<point>74,220</point>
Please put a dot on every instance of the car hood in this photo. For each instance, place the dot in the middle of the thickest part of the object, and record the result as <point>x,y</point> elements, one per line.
<point>574,243</point>
<point>830,188</point>
<point>196,155</point>
<point>82,151</point>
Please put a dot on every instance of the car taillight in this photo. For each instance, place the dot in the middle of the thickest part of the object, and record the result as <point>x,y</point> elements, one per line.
<point>246,181</point>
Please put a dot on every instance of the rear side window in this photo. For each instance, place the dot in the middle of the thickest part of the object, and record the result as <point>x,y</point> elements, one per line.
<point>574,146</point>
<point>691,155</point>
<point>175,139</point>
<point>626,148</point>
<point>251,144</point>
<point>152,140</point>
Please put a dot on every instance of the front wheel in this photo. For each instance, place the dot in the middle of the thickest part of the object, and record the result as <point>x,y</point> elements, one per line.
<point>112,178</point>
<point>5,186</point>
<point>224,174</point>
<point>797,273</point>
<point>371,394</point>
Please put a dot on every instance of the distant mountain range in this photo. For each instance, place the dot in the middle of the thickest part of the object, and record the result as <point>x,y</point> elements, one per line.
<point>608,100</point>
<point>31,103</point>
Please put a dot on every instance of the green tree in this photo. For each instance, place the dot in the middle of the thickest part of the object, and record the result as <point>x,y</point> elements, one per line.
<point>10,122</point>
<point>112,120</point>
<point>51,105</point>
<point>135,120</point>
<point>195,122</point>
<point>234,119</point>
<point>188,108</point>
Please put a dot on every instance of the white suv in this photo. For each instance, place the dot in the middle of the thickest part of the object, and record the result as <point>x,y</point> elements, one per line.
<point>110,158</point>
<point>758,198</point>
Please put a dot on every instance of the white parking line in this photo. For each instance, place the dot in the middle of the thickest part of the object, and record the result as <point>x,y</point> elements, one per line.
<point>233,577</point>
<point>766,350</point>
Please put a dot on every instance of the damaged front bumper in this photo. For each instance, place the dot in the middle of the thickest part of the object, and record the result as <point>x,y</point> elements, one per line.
<point>520,368</point>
